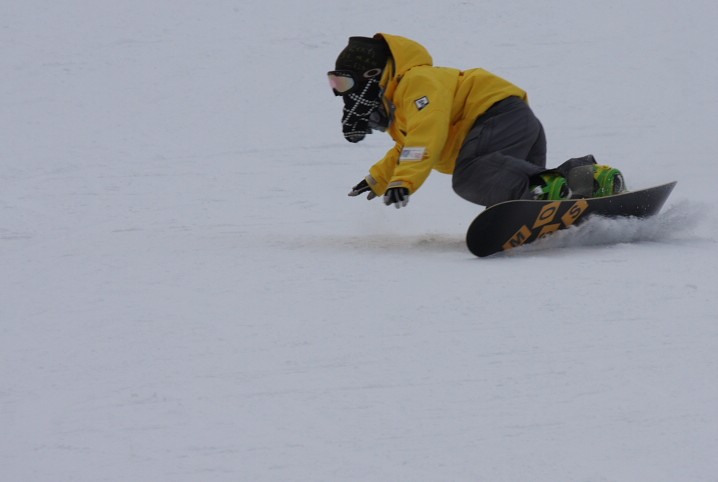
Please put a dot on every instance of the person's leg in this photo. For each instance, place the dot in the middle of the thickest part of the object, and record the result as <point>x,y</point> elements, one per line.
<point>492,165</point>
<point>537,154</point>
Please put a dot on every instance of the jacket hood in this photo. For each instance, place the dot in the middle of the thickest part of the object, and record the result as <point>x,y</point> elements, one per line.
<point>406,53</point>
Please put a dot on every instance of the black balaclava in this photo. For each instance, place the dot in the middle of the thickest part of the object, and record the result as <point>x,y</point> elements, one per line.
<point>366,57</point>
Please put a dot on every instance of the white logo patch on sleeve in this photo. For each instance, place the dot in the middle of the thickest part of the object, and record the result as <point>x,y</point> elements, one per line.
<point>422,102</point>
<point>412,154</point>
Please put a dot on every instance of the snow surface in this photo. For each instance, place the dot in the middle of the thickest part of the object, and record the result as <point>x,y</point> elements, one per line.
<point>188,294</point>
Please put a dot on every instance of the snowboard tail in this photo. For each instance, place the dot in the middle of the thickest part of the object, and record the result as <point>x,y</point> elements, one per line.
<point>514,223</point>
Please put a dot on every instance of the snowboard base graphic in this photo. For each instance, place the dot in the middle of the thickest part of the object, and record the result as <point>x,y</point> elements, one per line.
<point>514,223</point>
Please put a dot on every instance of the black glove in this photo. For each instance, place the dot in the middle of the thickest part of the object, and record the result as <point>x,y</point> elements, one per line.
<point>398,196</point>
<point>361,188</point>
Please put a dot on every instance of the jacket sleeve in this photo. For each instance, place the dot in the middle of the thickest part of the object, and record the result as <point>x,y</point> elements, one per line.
<point>381,173</point>
<point>425,104</point>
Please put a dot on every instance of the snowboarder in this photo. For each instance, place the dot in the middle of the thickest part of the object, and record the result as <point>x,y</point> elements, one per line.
<point>471,124</point>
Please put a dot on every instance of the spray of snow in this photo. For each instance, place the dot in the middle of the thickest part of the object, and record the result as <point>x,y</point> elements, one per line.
<point>683,222</point>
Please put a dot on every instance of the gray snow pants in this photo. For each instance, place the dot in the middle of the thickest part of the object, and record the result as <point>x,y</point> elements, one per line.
<point>502,151</point>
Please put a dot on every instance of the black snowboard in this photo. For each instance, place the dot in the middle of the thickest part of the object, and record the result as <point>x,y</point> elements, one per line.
<point>514,223</point>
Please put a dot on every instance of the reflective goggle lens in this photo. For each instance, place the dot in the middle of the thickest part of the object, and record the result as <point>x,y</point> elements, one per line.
<point>341,81</point>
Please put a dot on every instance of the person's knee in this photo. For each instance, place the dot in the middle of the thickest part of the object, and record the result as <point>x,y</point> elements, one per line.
<point>461,187</point>
<point>478,192</point>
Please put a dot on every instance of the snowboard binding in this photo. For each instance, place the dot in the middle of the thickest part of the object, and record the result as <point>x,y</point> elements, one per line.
<point>551,186</point>
<point>580,178</point>
<point>607,181</point>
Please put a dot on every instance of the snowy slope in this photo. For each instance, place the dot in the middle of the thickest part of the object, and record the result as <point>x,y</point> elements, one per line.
<point>189,295</point>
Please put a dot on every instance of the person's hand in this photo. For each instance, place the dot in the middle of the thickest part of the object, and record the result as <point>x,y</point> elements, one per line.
<point>398,196</point>
<point>361,188</point>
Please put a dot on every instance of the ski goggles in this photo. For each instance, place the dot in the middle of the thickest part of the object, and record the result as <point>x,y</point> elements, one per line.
<point>345,82</point>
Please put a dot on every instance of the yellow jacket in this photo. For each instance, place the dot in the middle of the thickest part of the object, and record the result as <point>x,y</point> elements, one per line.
<point>433,110</point>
